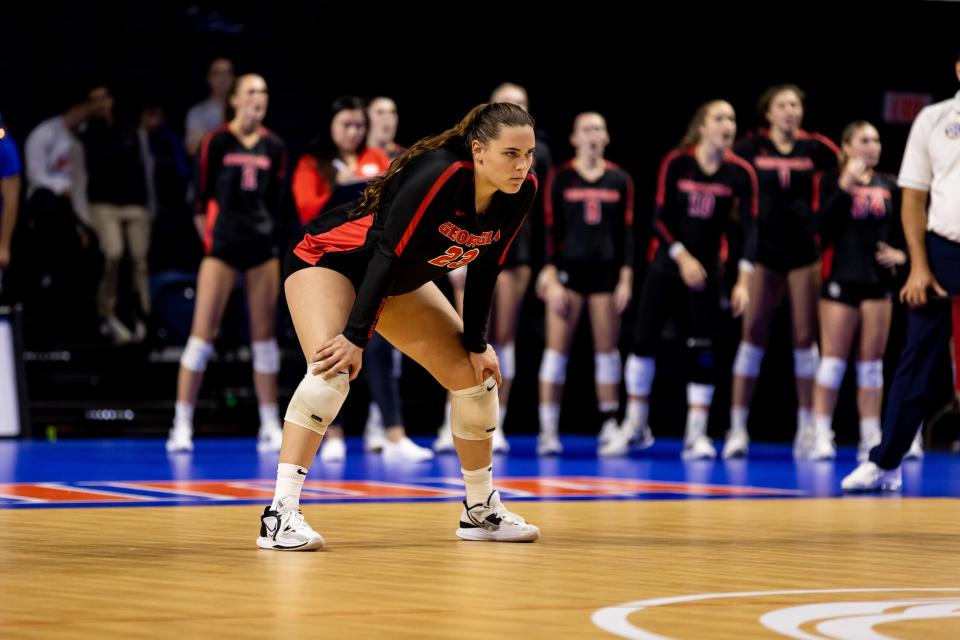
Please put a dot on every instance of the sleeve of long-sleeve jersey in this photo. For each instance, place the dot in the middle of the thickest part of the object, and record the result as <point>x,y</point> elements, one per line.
<point>482,280</point>
<point>666,215</point>
<point>831,205</point>
<point>310,190</point>
<point>628,239</point>
<point>208,166</point>
<point>425,188</point>
<point>552,219</point>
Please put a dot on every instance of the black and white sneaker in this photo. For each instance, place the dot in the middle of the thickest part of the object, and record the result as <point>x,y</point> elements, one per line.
<point>493,522</point>
<point>286,530</point>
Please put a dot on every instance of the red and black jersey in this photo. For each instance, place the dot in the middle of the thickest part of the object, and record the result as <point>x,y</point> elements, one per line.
<point>240,190</point>
<point>851,224</point>
<point>697,209</point>
<point>426,225</point>
<point>589,221</point>
<point>786,184</point>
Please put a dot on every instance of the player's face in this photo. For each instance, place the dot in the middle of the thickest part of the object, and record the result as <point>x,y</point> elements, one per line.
<point>348,130</point>
<point>785,111</point>
<point>864,144</point>
<point>383,117</point>
<point>719,126</point>
<point>251,97</point>
<point>101,103</point>
<point>505,161</point>
<point>590,135</point>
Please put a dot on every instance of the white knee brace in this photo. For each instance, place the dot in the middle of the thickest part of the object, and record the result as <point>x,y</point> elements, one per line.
<point>196,354</point>
<point>317,401</point>
<point>870,374</point>
<point>748,359</point>
<point>475,411</point>
<point>553,367</point>
<point>266,356</point>
<point>805,361</point>
<point>508,360</point>
<point>606,367</point>
<point>639,375</point>
<point>830,372</point>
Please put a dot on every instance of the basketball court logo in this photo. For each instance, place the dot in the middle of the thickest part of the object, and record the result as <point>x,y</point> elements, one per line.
<point>813,614</point>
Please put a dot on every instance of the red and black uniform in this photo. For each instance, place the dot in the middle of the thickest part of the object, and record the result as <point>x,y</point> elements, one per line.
<point>241,192</point>
<point>589,227</point>
<point>521,251</point>
<point>426,225</point>
<point>785,232</point>
<point>697,210</point>
<point>851,225</point>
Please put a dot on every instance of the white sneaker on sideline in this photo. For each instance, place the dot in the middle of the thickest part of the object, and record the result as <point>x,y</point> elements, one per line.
<point>866,444</point>
<point>491,521</point>
<point>823,447</point>
<point>405,450</point>
<point>869,477</point>
<point>548,444</point>
<point>803,441</point>
<point>270,437</point>
<point>700,448</point>
<point>180,438</point>
<point>333,450</point>
<point>374,434</point>
<point>736,445</point>
<point>444,441</point>
<point>609,431</point>
<point>286,530</point>
<point>500,444</point>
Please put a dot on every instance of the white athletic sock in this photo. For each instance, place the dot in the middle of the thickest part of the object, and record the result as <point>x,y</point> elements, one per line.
<point>183,413</point>
<point>478,483</point>
<point>290,479</point>
<point>823,425</point>
<point>549,417</point>
<point>738,418</point>
<point>269,414</point>
<point>696,422</point>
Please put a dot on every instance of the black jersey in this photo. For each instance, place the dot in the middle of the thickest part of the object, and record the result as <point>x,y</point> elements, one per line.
<point>851,224</point>
<point>240,190</point>
<point>786,184</point>
<point>426,225</point>
<point>697,209</point>
<point>589,221</point>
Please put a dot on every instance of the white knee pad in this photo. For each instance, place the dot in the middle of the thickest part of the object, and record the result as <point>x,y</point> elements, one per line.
<point>748,359</point>
<point>266,356</point>
<point>805,361</point>
<point>317,401</point>
<point>553,367</point>
<point>830,372</point>
<point>870,374</point>
<point>607,367</point>
<point>196,354</point>
<point>639,374</point>
<point>508,360</point>
<point>475,411</point>
<point>699,395</point>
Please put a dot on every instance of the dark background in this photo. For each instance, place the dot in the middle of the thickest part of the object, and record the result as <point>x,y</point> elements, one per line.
<point>645,67</point>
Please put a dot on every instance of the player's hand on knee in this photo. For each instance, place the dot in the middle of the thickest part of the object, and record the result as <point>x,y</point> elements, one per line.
<point>338,354</point>
<point>485,364</point>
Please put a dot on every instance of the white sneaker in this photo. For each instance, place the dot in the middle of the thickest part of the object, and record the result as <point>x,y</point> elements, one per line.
<point>112,328</point>
<point>803,442</point>
<point>286,530</point>
<point>866,444</point>
<point>869,477</point>
<point>548,444</point>
<point>493,522</point>
<point>500,444</point>
<point>405,450</point>
<point>270,437</point>
<point>373,432</point>
<point>444,441</point>
<point>609,431</point>
<point>700,448</point>
<point>736,445</point>
<point>180,438</point>
<point>333,450</point>
<point>823,447</point>
<point>916,448</point>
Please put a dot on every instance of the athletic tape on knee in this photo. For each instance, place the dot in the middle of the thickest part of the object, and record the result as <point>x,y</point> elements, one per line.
<point>606,367</point>
<point>805,361</point>
<point>699,395</point>
<point>553,367</point>
<point>830,372</point>
<point>317,401</point>
<point>508,360</point>
<point>196,354</point>
<point>266,356</point>
<point>474,411</point>
<point>870,374</point>
<point>639,374</point>
<point>748,359</point>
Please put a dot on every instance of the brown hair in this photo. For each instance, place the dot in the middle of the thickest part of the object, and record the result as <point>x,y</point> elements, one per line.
<point>483,124</point>
<point>692,136</point>
<point>763,104</point>
<point>847,136</point>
